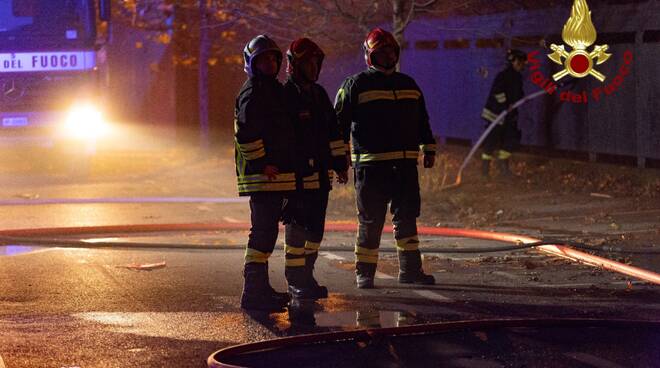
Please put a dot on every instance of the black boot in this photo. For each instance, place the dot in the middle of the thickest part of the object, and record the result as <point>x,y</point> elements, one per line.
<point>503,168</point>
<point>257,292</point>
<point>485,168</point>
<point>299,285</point>
<point>318,291</point>
<point>284,297</point>
<point>410,269</point>
<point>364,275</point>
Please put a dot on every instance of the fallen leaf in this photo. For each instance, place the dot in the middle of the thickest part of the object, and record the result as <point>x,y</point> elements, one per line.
<point>481,335</point>
<point>144,266</point>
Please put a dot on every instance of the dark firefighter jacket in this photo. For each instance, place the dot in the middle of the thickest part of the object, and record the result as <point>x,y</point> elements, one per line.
<point>264,135</point>
<point>319,148</point>
<point>385,116</point>
<point>507,89</point>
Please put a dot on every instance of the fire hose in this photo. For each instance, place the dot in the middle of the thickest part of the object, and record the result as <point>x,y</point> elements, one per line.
<point>520,241</point>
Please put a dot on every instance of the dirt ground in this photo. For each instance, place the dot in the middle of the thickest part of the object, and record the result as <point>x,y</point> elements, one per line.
<point>600,205</point>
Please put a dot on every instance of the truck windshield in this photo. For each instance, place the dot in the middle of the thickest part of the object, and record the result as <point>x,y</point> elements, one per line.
<point>46,21</point>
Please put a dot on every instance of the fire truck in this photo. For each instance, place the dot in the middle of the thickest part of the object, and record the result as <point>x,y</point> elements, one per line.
<point>52,71</point>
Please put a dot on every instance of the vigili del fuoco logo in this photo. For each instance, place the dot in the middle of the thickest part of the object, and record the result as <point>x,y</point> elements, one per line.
<point>579,33</point>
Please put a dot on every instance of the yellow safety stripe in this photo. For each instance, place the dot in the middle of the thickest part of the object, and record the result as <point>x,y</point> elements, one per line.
<point>294,262</point>
<point>369,96</point>
<point>503,155</point>
<point>312,185</point>
<point>266,187</point>
<point>485,156</point>
<point>408,93</point>
<point>409,243</point>
<point>254,154</point>
<point>401,94</point>
<point>310,245</point>
<point>311,182</point>
<point>337,144</point>
<point>428,147</point>
<point>366,259</point>
<point>252,150</point>
<point>296,251</point>
<point>488,115</point>
<point>251,146</point>
<point>255,256</point>
<point>366,251</point>
<point>258,178</point>
<point>500,97</point>
<point>397,155</point>
<point>313,177</point>
<point>338,151</point>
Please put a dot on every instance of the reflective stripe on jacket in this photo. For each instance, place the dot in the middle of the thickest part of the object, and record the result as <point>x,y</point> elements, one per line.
<point>384,116</point>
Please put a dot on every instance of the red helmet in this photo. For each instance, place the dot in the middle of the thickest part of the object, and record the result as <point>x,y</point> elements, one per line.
<point>378,39</point>
<point>302,49</point>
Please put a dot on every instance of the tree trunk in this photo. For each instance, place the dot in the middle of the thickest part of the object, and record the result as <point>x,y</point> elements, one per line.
<point>204,51</point>
<point>398,25</point>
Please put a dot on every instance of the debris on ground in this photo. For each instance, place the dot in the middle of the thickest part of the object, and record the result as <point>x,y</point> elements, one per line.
<point>144,266</point>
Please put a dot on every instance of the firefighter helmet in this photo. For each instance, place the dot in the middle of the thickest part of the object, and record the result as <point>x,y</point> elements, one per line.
<point>256,47</point>
<point>376,40</point>
<point>513,54</point>
<point>302,49</point>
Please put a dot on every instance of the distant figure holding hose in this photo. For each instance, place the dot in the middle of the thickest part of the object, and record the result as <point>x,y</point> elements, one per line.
<point>507,89</point>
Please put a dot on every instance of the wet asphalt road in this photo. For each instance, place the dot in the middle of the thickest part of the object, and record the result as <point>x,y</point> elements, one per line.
<point>88,307</point>
<point>68,307</point>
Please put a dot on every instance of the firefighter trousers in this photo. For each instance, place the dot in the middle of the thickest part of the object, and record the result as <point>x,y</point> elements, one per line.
<point>304,234</point>
<point>266,211</point>
<point>376,186</point>
<point>501,141</point>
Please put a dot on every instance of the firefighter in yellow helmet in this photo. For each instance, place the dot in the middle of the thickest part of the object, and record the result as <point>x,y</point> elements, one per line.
<point>320,154</point>
<point>384,114</point>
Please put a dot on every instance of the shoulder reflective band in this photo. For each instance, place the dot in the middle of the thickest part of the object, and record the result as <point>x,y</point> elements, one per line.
<point>47,61</point>
<point>397,155</point>
<point>500,97</point>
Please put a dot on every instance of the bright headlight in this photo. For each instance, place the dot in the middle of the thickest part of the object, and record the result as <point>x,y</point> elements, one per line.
<point>85,122</point>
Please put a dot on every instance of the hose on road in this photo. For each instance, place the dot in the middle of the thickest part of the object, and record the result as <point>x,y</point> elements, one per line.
<point>79,243</point>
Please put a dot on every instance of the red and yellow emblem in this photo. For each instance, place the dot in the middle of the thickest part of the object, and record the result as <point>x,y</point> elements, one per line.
<point>579,32</point>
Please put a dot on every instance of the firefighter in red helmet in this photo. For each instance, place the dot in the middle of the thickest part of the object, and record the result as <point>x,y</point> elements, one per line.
<point>320,153</point>
<point>265,166</point>
<point>384,115</point>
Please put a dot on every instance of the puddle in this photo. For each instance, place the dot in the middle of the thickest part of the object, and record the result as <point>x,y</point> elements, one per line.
<point>13,250</point>
<point>364,319</point>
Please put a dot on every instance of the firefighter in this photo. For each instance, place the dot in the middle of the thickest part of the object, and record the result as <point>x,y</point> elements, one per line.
<point>507,89</point>
<point>265,166</point>
<point>383,112</point>
<point>320,151</point>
